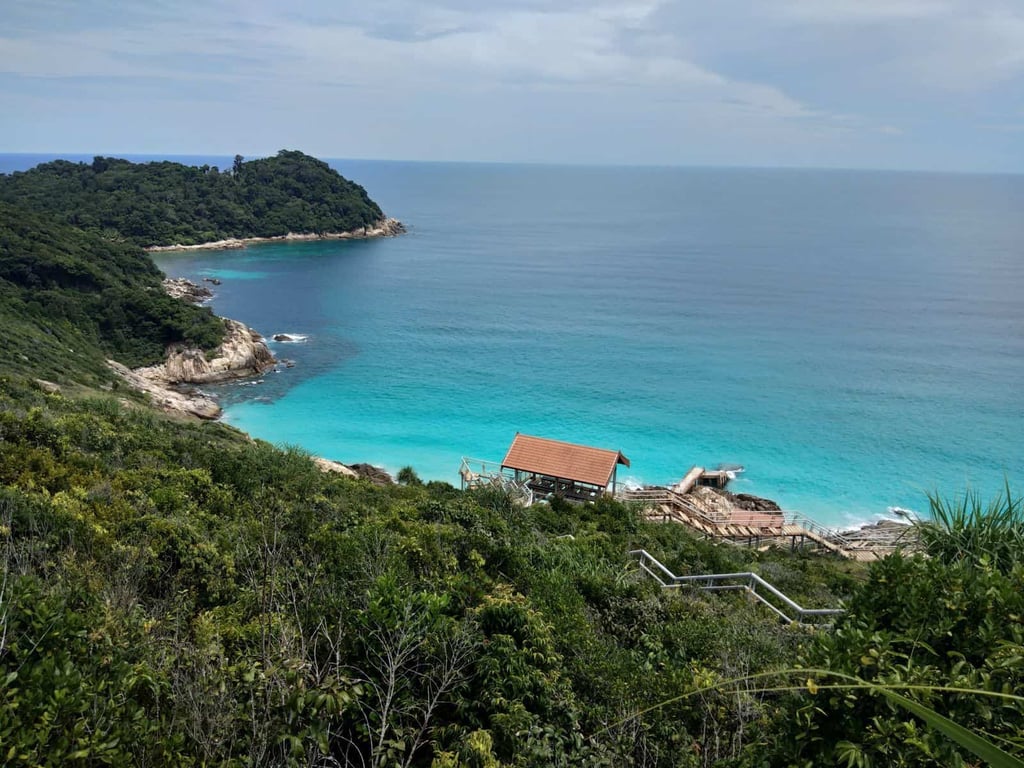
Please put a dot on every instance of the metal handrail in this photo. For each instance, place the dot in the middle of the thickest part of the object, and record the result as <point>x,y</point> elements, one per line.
<point>668,496</point>
<point>718,582</point>
<point>476,472</point>
<point>809,524</point>
<point>483,467</point>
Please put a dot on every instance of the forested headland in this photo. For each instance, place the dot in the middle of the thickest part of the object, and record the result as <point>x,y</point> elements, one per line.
<point>167,203</point>
<point>173,593</point>
<point>69,299</point>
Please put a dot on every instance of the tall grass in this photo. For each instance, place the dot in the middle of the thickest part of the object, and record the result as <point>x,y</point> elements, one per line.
<point>972,741</point>
<point>966,529</point>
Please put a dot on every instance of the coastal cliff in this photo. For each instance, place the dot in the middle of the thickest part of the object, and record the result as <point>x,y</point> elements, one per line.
<point>165,397</point>
<point>242,353</point>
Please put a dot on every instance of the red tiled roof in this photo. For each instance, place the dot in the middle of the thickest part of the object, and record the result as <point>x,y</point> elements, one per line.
<point>565,460</point>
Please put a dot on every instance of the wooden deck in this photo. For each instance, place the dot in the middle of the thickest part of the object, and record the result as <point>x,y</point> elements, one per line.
<point>543,487</point>
<point>689,480</point>
<point>753,529</point>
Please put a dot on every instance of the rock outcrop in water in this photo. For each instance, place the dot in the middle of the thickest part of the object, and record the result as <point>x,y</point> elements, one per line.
<point>751,503</point>
<point>375,475</point>
<point>186,290</point>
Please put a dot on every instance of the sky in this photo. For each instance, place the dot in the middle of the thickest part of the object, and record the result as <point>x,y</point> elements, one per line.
<point>903,84</point>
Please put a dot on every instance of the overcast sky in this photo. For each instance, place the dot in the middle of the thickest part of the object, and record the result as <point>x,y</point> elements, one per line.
<point>930,84</point>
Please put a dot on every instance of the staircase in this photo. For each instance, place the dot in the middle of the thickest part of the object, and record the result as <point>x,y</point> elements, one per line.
<point>764,593</point>
<point>753,529</point>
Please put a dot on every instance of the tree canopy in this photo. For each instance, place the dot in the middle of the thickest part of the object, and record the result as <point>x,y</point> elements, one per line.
<point>176,594</point>
<point>180,595</point>
<point>70,298</point>
<point>167,203</point>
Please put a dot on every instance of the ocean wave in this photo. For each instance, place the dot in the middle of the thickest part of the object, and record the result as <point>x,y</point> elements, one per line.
<point>854,522</point>
<point>731,470</point>
<point>903,512</point>
<point>290,338</point>
<point>631,483</point>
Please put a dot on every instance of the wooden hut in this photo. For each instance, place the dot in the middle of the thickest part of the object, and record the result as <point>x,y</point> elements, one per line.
<point>552,467</point>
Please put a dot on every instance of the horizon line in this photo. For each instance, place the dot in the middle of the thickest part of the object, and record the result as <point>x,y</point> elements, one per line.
<point>535,163</point>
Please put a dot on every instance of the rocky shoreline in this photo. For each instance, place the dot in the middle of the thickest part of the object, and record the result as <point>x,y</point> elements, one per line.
<point>168,398</point>
<point>719,504</point>
<point>170,384</point>
<point>180,288</point>
<point>386,227</point>
<point>244,353</point>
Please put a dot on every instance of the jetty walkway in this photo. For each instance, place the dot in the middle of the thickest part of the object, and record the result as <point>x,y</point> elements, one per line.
<point>758,529</point>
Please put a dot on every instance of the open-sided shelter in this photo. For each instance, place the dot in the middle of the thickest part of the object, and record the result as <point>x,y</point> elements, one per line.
<point>575,472</point>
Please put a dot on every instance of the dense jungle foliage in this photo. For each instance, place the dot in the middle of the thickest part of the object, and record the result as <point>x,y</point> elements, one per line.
<point>173,593</point>
<point>68,299</point>
<point>176,594</point>
<point>166,203</point>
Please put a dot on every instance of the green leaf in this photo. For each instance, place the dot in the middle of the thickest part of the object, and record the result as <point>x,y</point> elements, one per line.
<point>978,745</point>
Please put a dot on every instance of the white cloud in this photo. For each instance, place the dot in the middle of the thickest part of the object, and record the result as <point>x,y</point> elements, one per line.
<point>778,72</point>
<point>971,54</point>
<point>941,45</point>
<point>435,47</point>
<point>861,11</point>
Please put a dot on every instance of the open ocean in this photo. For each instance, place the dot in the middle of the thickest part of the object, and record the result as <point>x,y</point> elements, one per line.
<point>855,340</point>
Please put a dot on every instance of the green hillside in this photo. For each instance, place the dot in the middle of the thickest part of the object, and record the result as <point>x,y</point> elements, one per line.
<point>69,299</point>
<point>174,594</point>
<point>166,203</point>
<point>179,596</point>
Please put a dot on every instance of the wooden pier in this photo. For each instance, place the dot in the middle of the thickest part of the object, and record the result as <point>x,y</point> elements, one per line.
<point>538,468</point>
<point>713,478</point>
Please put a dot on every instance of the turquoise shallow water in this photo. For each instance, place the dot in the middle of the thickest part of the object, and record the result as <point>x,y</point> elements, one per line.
<point>853,339</point>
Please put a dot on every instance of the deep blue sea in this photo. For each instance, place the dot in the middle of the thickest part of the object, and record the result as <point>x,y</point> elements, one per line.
<point>855,340</point>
